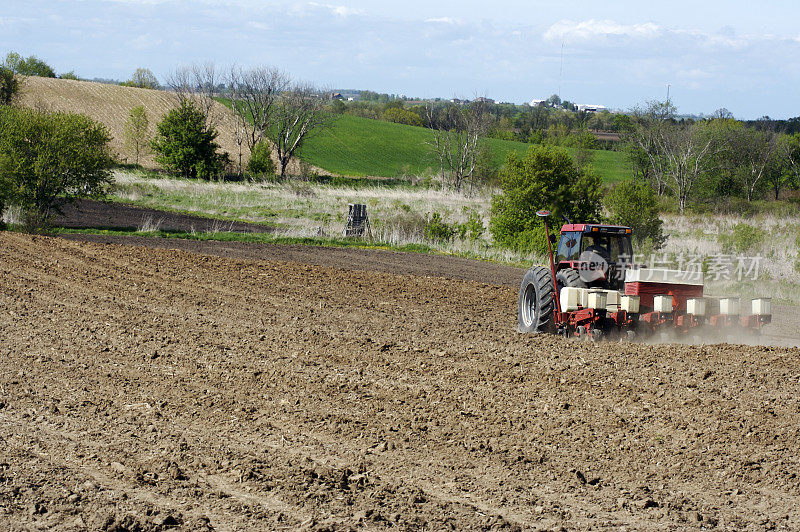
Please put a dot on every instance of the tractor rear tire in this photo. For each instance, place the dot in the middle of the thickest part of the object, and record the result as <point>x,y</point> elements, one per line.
<point>569,278</point>
<point>535,310</point>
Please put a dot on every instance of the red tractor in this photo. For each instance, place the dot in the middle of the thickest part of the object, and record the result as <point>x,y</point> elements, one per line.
<point>593,289</point>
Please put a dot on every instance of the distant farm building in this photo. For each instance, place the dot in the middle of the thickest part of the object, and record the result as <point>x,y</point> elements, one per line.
<point>592,108</point>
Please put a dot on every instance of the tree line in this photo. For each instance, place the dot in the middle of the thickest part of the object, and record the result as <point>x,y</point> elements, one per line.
<point>267,110</point>
<point>709,159</point>
<point>48,159</point>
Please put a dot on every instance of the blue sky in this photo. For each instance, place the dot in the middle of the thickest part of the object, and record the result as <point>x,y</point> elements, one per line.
<point>739,55</point>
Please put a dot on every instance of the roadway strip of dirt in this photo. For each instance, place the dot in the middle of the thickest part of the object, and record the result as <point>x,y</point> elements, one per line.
<point>145,389</point>
<point>355,259</point>
<point>86,213</point>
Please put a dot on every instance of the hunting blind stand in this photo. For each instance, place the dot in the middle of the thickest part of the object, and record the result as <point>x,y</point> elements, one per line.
<point>357,221</point>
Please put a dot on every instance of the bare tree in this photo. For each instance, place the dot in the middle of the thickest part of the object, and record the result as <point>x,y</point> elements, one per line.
<point>199,84</point>
<point>432,120</point>
<point>254,93</point>
<point>239,121</point>
<point>678,153</point>
<point>297,112</point>
<point>457,131</point>
<point>682,153</point>
<point>652,122</point>
<point>137,137</point>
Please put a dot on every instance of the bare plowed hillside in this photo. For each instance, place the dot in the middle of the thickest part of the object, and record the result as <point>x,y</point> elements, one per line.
<point>145,389</point>
<point>111,105</point>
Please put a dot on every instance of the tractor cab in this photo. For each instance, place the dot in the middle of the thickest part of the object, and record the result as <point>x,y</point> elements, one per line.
<point>598,253</point>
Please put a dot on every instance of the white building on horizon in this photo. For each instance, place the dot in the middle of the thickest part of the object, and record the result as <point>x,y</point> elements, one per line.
<point>592,108</point>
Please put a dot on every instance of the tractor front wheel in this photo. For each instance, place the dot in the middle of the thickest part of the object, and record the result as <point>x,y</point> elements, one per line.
<point>535,311</point>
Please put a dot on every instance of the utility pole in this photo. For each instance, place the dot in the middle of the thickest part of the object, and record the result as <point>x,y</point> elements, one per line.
<point>667,92</point>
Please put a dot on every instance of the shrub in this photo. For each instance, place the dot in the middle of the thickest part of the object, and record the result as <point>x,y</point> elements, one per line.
<point>338,107</point>
<point>486,171</point>
<point>546,178</point>
<point>741,239</point>
<point>9,85</point>
<point>635,205</point>
<point>185,145</point>
<point>533,240</point>
<point>261,163</point>
<point>407,224</point>
<point>47,159</point>
<point>473,228</point>
<point>437,229</point>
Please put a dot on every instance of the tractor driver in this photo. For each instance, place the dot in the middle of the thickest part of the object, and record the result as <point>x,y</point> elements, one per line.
<point>596,245</point>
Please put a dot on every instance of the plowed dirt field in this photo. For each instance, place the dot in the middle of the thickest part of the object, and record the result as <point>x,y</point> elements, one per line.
<point>145,389</point>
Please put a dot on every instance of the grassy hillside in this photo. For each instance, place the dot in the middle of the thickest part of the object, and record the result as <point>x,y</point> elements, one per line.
<point>356,146</point>
<point>352,146</point>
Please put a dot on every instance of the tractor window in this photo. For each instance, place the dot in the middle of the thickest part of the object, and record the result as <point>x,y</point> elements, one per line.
<point>610,247</point>
<point>625,250</point>
<point>568,246</point>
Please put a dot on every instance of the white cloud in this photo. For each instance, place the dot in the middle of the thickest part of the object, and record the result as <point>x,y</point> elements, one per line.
<point>144,2</point>
<point>594,29</point>
<point>443,20</point>
<point>341,11</point>
<point>145,42</point>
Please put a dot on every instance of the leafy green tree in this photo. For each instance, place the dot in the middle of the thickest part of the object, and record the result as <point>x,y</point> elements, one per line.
<point>137,136</point>
<point>402,116</point>
<point>31,66</point>
<point>70,75</point>
<point>185,145</point>
<point>622,123</point>
<point>393,104</point>
<point>635,205</point>
<point>9,85</point>
<point>142,78</point>
<point>48,159</point>
<point>338,107</point>
<point>721,179</point>
<point>545,178</point>
<point>778,175</point>
<point>790,147</point>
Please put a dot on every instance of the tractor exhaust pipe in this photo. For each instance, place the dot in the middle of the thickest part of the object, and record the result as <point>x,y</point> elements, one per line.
<point>557,307</point>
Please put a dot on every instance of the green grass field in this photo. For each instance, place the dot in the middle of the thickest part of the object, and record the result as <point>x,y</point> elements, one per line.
<point>358,147</point>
